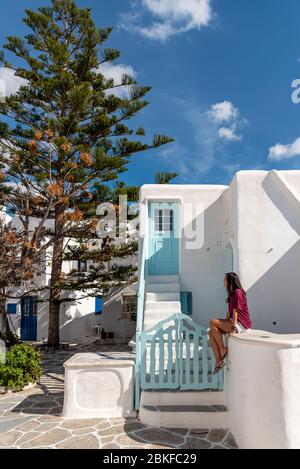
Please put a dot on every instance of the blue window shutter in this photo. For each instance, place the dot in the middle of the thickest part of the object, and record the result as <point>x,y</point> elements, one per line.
<point>186,299</point>
<point>12,308</point>
<point>98,305</point>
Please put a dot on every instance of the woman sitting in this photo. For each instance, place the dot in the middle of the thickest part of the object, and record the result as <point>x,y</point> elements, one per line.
<point>237,318</point>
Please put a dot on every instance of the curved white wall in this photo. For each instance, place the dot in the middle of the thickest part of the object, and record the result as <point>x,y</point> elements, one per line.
<point>263,388</point>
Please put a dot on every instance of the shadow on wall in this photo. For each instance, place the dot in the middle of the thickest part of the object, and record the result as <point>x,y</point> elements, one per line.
<point>279,194</point>
<point>275,297</point>
<point>76,324</point>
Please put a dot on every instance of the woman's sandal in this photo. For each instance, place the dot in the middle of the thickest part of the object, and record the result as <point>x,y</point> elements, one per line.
<point>224,356</point>
<point>218,368</point>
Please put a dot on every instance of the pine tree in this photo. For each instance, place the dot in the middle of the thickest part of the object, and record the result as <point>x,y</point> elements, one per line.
<point>70,137</point>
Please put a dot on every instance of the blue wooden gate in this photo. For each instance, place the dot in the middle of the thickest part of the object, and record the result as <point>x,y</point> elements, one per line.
<point>29,318</point>
<point>175,354</point>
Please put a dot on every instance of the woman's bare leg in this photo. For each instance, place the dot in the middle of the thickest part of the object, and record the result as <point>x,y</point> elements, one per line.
<point>215,348</point>
<point>218,327</point>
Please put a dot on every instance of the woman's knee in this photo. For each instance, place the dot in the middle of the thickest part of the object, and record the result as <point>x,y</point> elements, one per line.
<point>213,322</point>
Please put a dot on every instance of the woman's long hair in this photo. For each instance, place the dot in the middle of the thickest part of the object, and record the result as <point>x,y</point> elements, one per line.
<point>233,282</point>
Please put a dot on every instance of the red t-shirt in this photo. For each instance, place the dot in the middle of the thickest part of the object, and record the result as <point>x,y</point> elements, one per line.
<point>239,301</point>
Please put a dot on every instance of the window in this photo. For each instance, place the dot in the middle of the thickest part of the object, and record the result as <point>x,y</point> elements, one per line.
<point>163,220</point>
<point>82,266</point>
<point>186,299</point>
<point>12,308</point>
<point>26,307</point>
<point>129,307</point>
<point>34,306</point>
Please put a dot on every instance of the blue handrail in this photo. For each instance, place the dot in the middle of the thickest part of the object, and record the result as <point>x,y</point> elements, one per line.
<point>139,322</point>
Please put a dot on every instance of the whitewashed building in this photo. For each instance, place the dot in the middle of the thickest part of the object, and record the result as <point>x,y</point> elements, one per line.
<point>116,313</point>
<point>194,234</point>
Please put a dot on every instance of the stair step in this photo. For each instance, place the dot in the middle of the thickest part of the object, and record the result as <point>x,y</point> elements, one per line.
<point>175,398</point>
<point>162,287</point>
<point>185,416</point>
<point>187,408</point>
<point>162,279</point>
<point>173,306</point>
<point>163,296</point>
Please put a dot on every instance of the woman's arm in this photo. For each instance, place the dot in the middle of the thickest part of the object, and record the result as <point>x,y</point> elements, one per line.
<point>235,317</point>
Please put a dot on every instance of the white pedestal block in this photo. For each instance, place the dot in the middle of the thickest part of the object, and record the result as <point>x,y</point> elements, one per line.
<point>97,387</point>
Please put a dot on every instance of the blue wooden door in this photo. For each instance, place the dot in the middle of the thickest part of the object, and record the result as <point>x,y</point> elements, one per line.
<point>29,318</point>
<point>163,239</point>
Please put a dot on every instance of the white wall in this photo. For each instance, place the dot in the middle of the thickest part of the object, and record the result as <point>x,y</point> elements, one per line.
<point>262,388</point>
<point>111,317</point>
<point>266,221</point>
<point>203,265</point>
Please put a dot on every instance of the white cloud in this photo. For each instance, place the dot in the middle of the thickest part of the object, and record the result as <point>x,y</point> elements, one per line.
<point>223,112</point>
<point>227,114</point>
<point>229,134</point>
<point>9,82</point>
<point>115,72</point>
<point>284,152</point>
<point>170,17</point>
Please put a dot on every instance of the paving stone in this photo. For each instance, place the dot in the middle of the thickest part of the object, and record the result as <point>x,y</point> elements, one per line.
<point>83,431</point>
<point>10,424</point>
<point>133,426</point>
<point>104,424</point>
<point>49,418</point>
<point>80,423</point>
<point>56,411</point>
<point>113,430</point>
<point>107,439</point>
<point>230,441</point>
<point>27,437</point>
<point>45,404</point>
<point>157,446</point>
<point>217,435</point>
<point>160,436</point>
<point>83,442</point>
<point>179,431</point>
<point>128,440</point>
<point>28,426</point>
<point>218,447</point>
<point>196,443</point>
<point>45,427</point>
<point>9,438</point>
<point>6,405</point>
<point>49,438</point>
<point>35,411</point>
<point>111,446</point>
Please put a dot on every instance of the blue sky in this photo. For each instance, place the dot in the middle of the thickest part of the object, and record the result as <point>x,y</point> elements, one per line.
<point>221,73</point>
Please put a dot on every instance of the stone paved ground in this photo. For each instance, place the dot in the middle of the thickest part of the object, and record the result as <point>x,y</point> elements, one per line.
<point>32,418</point>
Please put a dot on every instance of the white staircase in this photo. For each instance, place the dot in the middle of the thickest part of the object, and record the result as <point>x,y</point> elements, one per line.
<point>162,299</point>
<point>184,409</point>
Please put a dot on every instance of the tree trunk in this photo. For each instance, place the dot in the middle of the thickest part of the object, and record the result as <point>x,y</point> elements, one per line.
<point>5,329</point>
<point>55,293</point>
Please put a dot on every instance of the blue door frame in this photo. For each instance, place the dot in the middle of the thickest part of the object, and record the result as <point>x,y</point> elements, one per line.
<point>163,248</point>
<point>29,318</point>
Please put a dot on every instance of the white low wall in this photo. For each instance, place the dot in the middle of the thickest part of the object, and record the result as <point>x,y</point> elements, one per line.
<point>263,389</point>
<point>97,387</point>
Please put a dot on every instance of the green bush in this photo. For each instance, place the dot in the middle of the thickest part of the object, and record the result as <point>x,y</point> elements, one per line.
<point>22,366</point>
